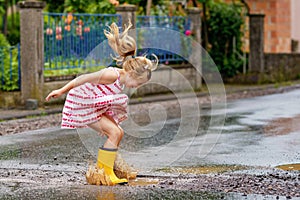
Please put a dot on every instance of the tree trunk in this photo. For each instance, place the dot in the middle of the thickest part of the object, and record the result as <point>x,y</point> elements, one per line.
<point>148,8</point>
<point>205,31</point>
<point>12,14</point>
<point>195,3</point>
<point>4,26</point>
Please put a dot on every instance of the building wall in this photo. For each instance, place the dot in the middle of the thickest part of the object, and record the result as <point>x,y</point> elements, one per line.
<point>281,23</point>
<point>277,23</point>
<point>295,16</point>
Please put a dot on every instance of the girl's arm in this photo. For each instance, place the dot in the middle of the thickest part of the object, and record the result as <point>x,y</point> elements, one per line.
<point>102,77</point>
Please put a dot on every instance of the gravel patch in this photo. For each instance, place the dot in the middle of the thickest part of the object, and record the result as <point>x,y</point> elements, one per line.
<point>278,183</point>
<point>29,124</point>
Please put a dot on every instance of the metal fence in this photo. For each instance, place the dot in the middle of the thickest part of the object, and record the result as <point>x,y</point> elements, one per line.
<point>71,42</point>
<point>70,38</point>
<point>169,48</point>
<point>76,41</point>
<point>10,76</point>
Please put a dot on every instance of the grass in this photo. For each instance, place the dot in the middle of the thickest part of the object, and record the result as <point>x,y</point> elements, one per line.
<point>10,154</point>
<point>71,71</point>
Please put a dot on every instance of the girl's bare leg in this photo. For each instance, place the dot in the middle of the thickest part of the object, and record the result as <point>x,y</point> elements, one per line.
<point>106,125</point>
<point>107,154</point>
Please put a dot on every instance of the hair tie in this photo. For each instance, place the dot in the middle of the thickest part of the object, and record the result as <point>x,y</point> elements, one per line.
<point>130,53</point>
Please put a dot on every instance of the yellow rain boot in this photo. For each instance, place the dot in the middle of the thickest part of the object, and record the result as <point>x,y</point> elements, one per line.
<point>106,160</point>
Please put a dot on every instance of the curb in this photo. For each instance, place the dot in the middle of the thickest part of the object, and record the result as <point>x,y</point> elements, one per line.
<point>7,115</point>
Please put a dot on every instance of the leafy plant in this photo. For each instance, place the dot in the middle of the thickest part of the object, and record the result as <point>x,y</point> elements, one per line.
<point>10,21</point>
<point>13,35</point>
<point>104,7</point>
<point>70,71</point>
<point>224,31</point>
<point>9,74</point>
<point>3,41</point>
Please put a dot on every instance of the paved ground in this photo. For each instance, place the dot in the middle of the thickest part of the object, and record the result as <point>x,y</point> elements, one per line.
<point>49,116</point>
<point>232,91</point>
<point>50,163</point>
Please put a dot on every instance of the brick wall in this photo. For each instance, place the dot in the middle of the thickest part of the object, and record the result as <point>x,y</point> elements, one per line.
<point>278,20</point>
<point>277,23</point>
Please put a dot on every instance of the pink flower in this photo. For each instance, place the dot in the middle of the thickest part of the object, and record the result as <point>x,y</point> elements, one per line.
<point>188,32</point>
<point>58,30</point>
<point>49,31</point>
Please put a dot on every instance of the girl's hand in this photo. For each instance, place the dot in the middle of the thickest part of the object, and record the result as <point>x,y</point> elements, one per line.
<point>54,94</point>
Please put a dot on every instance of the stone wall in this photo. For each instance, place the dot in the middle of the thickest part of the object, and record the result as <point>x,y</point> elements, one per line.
<point>181,78</point>
<point>278,67</point>
<point>10,99</point>
<point>282,66</point>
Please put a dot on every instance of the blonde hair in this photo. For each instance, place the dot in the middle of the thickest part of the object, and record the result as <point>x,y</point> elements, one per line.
<point>124,47</point>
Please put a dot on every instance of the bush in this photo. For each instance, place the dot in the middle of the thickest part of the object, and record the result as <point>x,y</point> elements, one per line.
<point>3,41</point>
<point>224,25</point>
<point>13,34</point>
<point>9,73</point>
<point>13,28</point>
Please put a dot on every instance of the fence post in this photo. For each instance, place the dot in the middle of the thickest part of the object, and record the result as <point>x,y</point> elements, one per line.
<point>196,57</point>
<point>256,55</point>
<point>32,50</point>
<point>194,16</point>
<point>127,13</point>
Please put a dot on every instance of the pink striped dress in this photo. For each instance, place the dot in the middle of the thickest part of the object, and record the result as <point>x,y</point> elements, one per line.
<point>85,104</point>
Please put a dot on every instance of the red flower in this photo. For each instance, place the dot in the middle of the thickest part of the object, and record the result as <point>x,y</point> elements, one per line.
<point>188,32</point>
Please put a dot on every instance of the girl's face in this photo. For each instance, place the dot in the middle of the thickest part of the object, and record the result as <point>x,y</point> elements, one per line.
<point>132,82</point>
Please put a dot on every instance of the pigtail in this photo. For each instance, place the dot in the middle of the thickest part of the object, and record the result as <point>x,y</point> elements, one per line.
<point>122,44</point>
<point>124,47</point>
<point>154,63</point>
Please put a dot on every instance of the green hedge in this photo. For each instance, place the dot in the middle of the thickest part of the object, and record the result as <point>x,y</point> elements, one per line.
<point>9,72</point>
<point>225,23</point>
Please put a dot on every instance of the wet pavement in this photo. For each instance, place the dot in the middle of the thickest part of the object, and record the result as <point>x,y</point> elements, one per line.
<point>190,151</point>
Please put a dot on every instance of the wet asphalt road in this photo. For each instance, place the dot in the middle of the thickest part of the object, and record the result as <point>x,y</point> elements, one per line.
<point>50,163</point>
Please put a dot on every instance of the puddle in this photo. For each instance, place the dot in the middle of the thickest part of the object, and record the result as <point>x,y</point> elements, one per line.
<point>204,169</point>
<point>290,167</point>
<point>282,126</point>
<point>143,182</point>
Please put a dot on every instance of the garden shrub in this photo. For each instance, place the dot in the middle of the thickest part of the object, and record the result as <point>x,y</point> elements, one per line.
<point>9,73</point>
<point>224,24</point>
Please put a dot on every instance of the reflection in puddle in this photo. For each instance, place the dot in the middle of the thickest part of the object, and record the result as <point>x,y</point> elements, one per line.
<point>204,169</point>
<point>107,195</point>
<point>143,182</point>
<point>290,167</point>
<point>282,126</point>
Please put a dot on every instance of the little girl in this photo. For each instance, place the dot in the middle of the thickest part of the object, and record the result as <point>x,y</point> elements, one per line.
<point>94,99</point>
